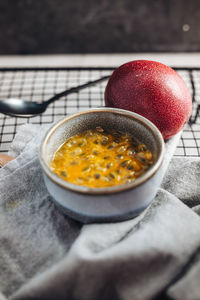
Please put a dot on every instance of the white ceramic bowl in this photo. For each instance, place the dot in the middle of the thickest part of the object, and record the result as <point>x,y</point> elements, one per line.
<point>115,203</point>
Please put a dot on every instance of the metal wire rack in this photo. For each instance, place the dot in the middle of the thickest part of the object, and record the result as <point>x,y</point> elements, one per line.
<point>39,84</point>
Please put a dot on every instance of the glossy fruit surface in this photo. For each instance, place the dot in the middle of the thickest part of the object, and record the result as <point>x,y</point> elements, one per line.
<point>152,90</point>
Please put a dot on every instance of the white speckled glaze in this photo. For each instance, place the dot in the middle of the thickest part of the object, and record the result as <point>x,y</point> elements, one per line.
<point>109,204</point>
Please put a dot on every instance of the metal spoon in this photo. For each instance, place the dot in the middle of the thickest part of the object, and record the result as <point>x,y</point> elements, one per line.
<point>21,108</point>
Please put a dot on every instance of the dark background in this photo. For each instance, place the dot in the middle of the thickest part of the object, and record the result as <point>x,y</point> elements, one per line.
<point>94,26</point>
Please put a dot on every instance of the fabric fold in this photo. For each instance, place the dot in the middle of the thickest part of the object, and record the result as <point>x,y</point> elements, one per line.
<point>46,255</point>
<point>137,258</point>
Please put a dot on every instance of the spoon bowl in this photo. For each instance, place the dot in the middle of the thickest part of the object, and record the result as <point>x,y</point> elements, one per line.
<point>21,108</point>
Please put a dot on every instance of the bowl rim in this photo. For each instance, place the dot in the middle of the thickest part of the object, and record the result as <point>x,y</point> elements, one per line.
<point>105,190</point>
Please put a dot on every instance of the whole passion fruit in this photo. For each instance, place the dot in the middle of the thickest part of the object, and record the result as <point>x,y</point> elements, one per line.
<point>153,90</point>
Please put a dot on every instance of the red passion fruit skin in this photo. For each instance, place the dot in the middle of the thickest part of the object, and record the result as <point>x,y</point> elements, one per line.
<point>152,90</point>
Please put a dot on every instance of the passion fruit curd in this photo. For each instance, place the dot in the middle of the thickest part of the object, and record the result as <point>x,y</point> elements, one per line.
<point>98,158</point>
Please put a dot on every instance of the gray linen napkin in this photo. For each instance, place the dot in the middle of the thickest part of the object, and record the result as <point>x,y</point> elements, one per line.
<point>46,255</point>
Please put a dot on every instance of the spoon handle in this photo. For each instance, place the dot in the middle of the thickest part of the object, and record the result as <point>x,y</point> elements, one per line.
<point>76,89</point>
<point>4,159</point>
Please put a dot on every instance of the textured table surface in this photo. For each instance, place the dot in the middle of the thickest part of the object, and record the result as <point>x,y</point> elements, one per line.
<point>98,60</point>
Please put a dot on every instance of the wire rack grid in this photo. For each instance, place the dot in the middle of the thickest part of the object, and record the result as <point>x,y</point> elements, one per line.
<point>39,84</point>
